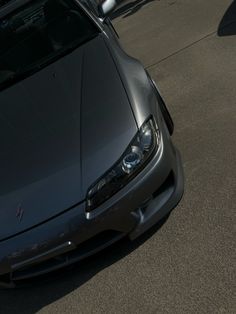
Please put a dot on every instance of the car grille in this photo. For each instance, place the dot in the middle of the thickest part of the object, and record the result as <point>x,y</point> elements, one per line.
<point>83,250</point>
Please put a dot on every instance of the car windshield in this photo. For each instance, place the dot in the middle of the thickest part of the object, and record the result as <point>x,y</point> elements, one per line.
<point>39,33</point>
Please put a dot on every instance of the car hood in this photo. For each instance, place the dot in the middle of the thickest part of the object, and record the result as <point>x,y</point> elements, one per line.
<point>60,130</point>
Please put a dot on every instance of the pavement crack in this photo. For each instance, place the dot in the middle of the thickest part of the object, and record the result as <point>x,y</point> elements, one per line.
<point>181,50</point>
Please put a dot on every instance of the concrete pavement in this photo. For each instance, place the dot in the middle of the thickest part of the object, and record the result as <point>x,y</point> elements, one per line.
<point>187,265</point>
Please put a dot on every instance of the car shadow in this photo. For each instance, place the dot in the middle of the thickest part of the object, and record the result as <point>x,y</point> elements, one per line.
<point>43,291</point>
<point>227,26</point>
<point>129,8</point>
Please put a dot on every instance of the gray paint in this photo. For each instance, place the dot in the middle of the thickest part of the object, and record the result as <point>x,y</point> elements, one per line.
<point>87,107</point>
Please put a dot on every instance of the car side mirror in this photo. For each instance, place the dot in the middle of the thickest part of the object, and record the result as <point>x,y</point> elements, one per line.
<point>106,7</point>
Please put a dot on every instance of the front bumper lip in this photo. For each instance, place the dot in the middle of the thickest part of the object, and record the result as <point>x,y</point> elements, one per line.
<point>124,214</point>
<point>61,249</point>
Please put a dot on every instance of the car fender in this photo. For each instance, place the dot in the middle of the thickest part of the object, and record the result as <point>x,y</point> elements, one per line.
<point>136,82</point>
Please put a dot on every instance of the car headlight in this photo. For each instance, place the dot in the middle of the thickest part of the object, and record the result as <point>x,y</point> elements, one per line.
<point>136,156</point>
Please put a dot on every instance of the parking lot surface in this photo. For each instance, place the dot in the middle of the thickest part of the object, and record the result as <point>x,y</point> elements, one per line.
<point>187,265</point>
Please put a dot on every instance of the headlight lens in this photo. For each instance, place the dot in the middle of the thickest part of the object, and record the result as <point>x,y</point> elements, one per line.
<point>140,150</point>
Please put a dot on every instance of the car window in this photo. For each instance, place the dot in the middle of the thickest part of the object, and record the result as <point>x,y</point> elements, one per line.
<point>39,33</point>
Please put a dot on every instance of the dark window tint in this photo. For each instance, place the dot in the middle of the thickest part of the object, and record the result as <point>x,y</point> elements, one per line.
<point>39,33</point>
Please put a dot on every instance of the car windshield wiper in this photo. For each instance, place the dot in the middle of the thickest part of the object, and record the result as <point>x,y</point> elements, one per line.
<point>7,78</point>
<point>4,2</point>
<point>62,52</point>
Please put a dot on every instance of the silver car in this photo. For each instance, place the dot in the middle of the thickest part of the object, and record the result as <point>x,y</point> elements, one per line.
<point>86,153</point>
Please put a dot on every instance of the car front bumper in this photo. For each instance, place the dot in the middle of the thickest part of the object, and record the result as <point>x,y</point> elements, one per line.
<point>73,235</point>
